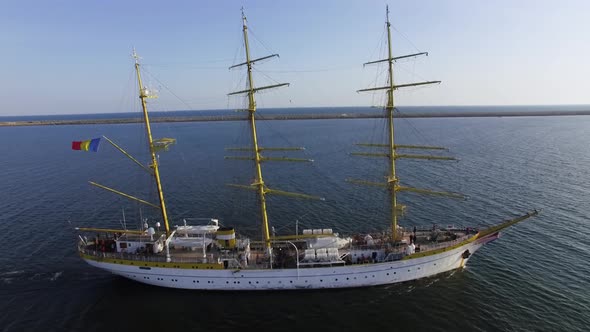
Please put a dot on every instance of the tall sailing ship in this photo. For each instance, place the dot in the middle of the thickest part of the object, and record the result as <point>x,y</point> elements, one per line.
<point>210,256</point>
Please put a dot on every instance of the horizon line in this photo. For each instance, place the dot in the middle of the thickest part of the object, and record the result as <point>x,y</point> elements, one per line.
<point>299,107</point>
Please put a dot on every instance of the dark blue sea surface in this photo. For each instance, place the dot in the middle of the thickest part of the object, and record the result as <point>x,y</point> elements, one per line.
<point>536,277</point>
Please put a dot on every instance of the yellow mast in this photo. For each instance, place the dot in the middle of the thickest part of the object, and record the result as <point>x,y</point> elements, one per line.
<point>143,95</point>
<point>251,110</point>
<point>391,180</point>
<point>259,186</point>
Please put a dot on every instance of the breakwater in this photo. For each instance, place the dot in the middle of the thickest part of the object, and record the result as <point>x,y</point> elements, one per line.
<point>318,116</point>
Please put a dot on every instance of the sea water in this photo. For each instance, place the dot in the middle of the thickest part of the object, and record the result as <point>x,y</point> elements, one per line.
<point>534,278</point>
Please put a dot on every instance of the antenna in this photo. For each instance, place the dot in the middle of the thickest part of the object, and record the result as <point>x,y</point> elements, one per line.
<point>135,56</point>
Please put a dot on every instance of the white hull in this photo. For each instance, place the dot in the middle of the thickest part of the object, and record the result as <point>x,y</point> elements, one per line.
<point>344,276</point>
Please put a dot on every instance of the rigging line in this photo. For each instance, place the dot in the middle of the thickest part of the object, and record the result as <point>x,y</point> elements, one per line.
<point>406,38</point>
<point>379,45</point>
<point>258,40</point>
<point>414,128</point>
<point>196,67</point>
<point>185,63</point>
<point>171,92</point>
<point>374,83</point>
<point>380,68</point>
<point>312,70</point>
<point>210,99</point>
<point>378,76</point>
<point>265,75</point>
<point>272,129</point>
<point>285,227</point>
<point>166,87</point>
<point>239,50</point>
<point>384,49</point>
<point>413,72</point>
<point>125,95</point>
<point>240,83</point>
<point>200,103</point>
<point>381,102</point>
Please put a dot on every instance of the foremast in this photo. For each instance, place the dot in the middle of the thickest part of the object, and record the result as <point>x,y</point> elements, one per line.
<point>143,95</point>
<point>392,183</point>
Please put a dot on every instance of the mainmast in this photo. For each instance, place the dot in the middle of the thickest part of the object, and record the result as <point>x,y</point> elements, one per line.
<point>143,95</point>
<point>258,185</point>
<point>391,180</point>
<point>392,184</point>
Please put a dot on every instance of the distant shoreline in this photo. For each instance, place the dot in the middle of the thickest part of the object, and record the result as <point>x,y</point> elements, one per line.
<point>319,116</point>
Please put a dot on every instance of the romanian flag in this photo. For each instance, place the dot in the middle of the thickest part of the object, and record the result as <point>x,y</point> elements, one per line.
<point>89,145</point>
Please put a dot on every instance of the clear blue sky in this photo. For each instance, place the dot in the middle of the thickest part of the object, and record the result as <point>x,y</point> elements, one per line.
<point>63,57</point>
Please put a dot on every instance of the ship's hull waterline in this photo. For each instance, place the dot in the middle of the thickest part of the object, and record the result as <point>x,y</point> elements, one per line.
<point>344,276</point>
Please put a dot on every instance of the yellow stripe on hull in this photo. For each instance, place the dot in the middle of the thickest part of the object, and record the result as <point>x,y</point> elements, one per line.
<point>176,265</point>
<point>438,251</point>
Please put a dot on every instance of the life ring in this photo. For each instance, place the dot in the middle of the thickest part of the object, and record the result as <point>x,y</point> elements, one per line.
<point>466,254</point>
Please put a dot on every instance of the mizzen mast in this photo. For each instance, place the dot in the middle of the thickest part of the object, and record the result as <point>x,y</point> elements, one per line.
<point>144,93</point>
